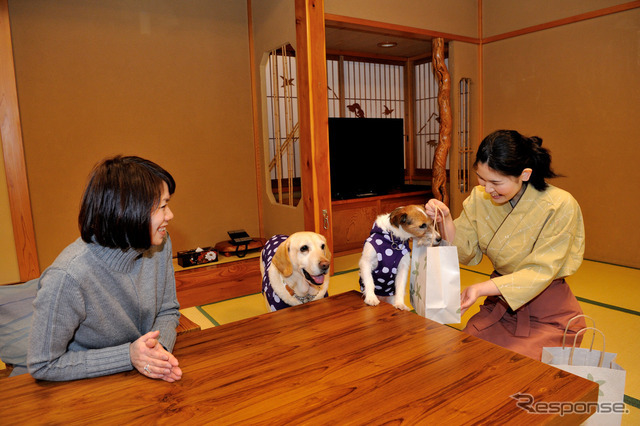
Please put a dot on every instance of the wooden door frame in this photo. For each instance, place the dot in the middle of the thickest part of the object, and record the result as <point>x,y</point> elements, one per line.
<point>313,117</point>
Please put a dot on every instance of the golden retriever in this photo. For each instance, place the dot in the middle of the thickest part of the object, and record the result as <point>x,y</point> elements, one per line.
<point>385,261</point>
<point>294,269</point>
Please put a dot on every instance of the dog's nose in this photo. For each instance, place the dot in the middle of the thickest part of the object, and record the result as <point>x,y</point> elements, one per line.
<point>324,265</point>
<point>438,239</point>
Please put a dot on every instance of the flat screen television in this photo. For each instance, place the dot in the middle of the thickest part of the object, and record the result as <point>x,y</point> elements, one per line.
<point>366,156</point>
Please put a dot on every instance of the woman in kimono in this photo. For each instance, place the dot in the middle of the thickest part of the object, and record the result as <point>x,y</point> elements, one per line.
<point>533,234</point>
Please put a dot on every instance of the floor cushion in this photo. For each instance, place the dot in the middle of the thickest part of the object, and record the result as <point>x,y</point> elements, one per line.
<point>16,312</point>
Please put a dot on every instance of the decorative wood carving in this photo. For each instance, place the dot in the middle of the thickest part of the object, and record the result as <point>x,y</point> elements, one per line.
<point>439,183</point>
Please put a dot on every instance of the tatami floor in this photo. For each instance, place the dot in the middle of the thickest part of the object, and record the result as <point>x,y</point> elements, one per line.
<point>607,293</point>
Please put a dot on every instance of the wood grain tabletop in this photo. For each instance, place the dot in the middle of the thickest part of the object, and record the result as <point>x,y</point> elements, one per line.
<point>334,361</point>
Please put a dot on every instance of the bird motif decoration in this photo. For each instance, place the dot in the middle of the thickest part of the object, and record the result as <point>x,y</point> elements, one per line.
<point>287,81</point>
<point>355,108</point>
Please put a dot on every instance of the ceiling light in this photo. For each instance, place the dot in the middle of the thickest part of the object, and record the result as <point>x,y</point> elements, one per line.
<point>387,44</point>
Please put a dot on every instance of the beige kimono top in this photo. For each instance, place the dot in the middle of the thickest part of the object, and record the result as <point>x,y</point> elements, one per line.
<point>539,240</point>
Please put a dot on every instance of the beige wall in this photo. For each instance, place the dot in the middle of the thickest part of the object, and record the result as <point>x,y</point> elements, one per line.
<point>165,80</point>
<point>463,63</point>
<point>503,16</point>
<point>577,87</point>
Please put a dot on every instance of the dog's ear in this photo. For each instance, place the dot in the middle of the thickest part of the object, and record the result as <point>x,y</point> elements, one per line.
<point>398,216</point>
<point>281,259</point>
<point>326,251</point>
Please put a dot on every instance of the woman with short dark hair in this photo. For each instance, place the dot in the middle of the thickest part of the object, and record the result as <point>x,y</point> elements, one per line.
<point>108,302</point>
<point>532,232</point>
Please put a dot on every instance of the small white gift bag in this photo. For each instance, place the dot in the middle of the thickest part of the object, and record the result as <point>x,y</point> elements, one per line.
<point>597,366</point>
<point>435,282</point>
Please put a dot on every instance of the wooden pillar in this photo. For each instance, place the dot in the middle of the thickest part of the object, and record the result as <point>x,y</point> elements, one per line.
<point>313,116</point>
<point>15,167</point>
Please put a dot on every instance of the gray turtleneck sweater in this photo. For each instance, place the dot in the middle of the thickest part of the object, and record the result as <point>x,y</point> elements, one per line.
<point>93,302</point>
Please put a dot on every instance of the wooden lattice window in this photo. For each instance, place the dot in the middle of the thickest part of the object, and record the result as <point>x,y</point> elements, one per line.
<point>464,137</point>
<point>359,88</point>
<point>426,117</point>
<point>283,127</point>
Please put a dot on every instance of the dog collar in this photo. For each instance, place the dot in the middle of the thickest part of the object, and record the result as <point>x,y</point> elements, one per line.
<point>301,299</point>
<point>397,245</point>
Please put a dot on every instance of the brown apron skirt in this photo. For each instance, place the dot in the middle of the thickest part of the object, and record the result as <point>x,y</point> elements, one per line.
<point>540,322</point>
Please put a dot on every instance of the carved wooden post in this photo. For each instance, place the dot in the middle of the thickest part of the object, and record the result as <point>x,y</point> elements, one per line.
<point>439,181</point>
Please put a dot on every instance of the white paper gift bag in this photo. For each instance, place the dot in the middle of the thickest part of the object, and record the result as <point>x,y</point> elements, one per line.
<point>435,282</point>
<point>597,366</point>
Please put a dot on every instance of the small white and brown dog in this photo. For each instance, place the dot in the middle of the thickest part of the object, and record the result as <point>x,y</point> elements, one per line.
<point>385,261</point>
<point>294,269</point>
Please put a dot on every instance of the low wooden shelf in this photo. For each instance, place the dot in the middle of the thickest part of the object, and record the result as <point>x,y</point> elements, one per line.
<point>218,281</point>
<point>353,218</point>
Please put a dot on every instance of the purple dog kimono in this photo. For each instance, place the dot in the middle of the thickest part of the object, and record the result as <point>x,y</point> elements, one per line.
<point>390,251</point>
<point>269,250</point>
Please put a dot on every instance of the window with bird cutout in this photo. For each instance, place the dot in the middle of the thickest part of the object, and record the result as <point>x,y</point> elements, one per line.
<point>282,124</point>
<point>426,116</point>
<point>365,89</point>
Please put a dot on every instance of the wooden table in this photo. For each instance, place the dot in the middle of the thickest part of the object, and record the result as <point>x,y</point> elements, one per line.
<point>333,361</point>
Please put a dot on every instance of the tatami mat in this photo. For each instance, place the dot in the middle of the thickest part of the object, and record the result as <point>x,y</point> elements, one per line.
<point>616,286</point>
<point>608,293</point>
<point>235,309</point>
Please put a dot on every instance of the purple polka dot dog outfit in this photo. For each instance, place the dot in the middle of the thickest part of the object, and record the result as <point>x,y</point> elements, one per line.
<point>269,250</point>
<point>390,251</point>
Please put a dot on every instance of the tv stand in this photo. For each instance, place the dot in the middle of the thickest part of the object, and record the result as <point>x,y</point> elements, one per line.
<point>354,217</point>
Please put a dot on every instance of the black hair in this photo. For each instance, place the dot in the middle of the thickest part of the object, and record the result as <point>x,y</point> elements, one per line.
<point>509,153</point>
<point>118,201</point>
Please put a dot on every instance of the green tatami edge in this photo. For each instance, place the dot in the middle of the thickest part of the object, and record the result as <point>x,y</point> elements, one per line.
<point>206,314</point>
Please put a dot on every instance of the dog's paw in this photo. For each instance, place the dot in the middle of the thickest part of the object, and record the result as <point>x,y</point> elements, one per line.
<point>401,306</point>
<point>371,300</point>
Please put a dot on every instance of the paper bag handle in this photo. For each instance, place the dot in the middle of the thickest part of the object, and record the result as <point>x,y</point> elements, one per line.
<point>564,336</point>
<point>575,340</point>
<point>442,230</point>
